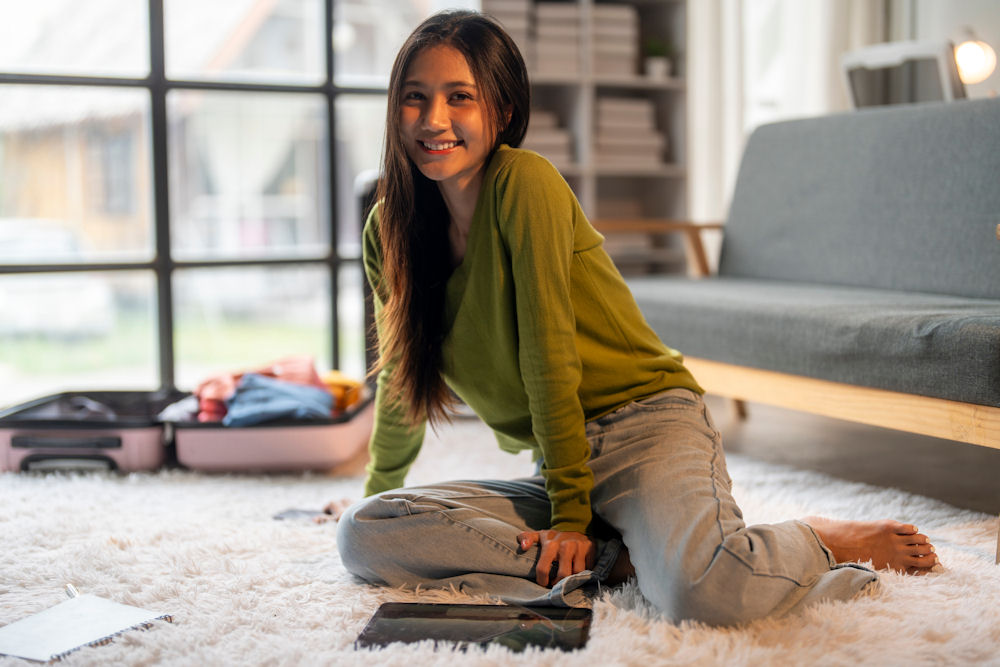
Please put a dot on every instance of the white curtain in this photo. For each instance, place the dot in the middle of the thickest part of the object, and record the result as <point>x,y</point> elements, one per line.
<point>757,61</point>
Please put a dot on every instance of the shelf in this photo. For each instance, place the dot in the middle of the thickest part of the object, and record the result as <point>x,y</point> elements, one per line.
<point>662,171</point>
<point>618,81</point>
<point>554,80</point>
<point>570,170</point>
<point>634,118</point>
<point>639,82</point>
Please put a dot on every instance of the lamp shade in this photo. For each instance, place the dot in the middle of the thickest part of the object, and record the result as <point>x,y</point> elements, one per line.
<point>976,60</point>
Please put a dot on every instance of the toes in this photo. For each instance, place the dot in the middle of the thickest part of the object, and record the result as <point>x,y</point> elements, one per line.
<point>919,549</point>
<point>921,562</point>
<point>912,539</point>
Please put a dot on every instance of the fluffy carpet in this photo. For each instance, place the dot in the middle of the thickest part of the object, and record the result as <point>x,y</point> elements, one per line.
<point>244,589</point>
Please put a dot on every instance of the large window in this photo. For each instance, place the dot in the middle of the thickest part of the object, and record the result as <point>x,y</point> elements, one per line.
<point>179,184</point>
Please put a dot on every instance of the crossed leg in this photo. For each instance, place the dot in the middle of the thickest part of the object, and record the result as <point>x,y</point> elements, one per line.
<point>888,544</point>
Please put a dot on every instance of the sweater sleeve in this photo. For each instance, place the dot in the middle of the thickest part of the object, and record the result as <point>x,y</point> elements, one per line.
<point>395,442</point>
<point>538,216</point>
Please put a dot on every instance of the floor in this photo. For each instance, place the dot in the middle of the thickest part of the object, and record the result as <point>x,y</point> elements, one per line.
<point>966,476</point>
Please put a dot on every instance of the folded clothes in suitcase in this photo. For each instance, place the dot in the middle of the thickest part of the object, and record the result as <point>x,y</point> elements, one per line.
<point>283,445</point>
<point>111,430</point>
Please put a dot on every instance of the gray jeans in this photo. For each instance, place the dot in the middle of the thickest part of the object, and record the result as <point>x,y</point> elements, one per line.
<point>660,487</point>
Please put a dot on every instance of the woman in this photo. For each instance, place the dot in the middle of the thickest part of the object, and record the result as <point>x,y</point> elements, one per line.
<point>490,282</point>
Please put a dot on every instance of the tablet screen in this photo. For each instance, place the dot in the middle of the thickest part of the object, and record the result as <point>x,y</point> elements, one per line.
<point>472,624</point>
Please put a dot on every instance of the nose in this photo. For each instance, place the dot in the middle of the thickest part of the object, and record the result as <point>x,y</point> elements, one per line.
<point>436,114</point>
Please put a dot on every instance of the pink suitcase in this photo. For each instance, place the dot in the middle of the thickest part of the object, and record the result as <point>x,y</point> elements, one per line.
<point>277,446</point>
<point>109,430</point>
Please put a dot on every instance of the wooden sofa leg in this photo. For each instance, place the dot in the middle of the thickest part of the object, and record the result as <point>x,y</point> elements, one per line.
<point>997,561</point>
<point>740,409</point>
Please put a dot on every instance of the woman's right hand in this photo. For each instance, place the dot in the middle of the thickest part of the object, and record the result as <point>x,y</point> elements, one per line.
<point>333,510</point>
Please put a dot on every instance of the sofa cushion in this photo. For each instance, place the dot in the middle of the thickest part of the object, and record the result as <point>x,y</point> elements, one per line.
<point>899,197</point>
<point>918,343</point>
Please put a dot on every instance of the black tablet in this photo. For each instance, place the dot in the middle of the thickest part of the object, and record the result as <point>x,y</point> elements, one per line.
<point>475,624</point>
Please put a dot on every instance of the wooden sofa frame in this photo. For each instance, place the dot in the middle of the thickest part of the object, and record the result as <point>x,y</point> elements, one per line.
<point>936,417</point>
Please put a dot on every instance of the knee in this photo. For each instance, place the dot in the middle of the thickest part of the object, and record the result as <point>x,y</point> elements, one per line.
<point>722,595</point>
<point>357,539</point>
<point>705,602</point>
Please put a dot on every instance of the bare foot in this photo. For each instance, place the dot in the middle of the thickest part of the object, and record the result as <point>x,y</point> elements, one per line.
<point>333,510</point>
<point>889,545</point>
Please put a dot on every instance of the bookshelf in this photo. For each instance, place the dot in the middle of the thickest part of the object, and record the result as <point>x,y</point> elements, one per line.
<point>616,133</point>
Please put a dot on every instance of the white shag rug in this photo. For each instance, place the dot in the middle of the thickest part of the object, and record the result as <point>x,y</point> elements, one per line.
<point>245,589</point>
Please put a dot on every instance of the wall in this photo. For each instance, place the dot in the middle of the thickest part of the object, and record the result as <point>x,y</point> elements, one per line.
<point>946,19</point>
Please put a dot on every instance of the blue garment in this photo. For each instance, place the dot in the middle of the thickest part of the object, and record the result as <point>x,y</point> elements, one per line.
<point>259,398</point>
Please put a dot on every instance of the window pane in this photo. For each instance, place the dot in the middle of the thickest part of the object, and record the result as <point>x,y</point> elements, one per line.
<point>75,178</point>
<point>249,175</point>
<point>228,319</point>
<point>280,41</point>
<point>108,38</point>
<point>360,133</point>
<point>368,33</point>
<point>351,320</point>
<point>76,331</point>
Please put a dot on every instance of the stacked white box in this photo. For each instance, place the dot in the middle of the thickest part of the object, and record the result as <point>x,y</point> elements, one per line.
<point>515,16</point>
<point>615,35</point>
<point>626,133</point>
<point>557,39</point>
<point>544,136</point>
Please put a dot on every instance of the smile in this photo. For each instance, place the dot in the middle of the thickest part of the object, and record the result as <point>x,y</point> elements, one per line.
<point>438,147</point>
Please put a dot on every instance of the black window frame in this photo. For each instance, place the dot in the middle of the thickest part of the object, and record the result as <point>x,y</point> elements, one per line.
<point>163,265</point>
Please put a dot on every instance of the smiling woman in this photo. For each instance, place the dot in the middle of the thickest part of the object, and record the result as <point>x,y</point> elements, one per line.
<point>481,98</point>
<point>490,282</point>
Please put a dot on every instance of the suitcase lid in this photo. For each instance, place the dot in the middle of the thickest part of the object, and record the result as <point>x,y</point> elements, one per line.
<point>91,409</point>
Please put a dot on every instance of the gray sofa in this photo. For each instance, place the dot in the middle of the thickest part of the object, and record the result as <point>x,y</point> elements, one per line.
<point>859,275</point>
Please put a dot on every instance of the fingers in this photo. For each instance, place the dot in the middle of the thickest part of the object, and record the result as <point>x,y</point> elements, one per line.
<point>543,568</point>
<point>528,539</point>
<point>580,560</point>
<point>560,554</point>
<point>567,561</point>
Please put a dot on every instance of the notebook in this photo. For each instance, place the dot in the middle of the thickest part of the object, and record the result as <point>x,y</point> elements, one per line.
<point>82,620</point>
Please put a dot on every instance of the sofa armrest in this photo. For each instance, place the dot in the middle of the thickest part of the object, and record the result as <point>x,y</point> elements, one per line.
<point>694,249</point>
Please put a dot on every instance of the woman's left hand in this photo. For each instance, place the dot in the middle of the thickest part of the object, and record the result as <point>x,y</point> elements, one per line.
<point>572,552</point>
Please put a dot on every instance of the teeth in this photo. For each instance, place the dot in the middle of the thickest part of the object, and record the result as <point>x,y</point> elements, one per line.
<point>440,147</point>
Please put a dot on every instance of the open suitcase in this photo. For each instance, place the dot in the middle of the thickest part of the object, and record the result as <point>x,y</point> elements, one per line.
<point>108,430</point>
<point>275,446</point>
<point>121,430</point>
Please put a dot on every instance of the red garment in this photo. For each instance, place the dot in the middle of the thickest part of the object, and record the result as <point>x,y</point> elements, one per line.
<point>215,391</point>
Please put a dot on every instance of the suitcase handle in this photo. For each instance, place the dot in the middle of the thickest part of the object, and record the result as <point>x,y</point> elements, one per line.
<point>66,442</point>
<point>36,462</point>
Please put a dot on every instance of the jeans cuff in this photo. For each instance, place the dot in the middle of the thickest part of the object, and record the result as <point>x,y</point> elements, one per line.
<point>607,555</point>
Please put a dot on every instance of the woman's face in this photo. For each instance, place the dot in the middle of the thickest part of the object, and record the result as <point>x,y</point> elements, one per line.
<point>443,120</point>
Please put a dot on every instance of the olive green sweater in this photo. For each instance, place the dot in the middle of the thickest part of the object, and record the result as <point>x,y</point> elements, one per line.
<point>542,334</point>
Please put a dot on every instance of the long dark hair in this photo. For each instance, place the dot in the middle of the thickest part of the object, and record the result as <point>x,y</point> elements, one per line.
<point>413,218</point>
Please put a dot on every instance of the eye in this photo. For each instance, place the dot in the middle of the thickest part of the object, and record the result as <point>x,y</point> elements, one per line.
<point>412,96</point>
<point>462,96</point>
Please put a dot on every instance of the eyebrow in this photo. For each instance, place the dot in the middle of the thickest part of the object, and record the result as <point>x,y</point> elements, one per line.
<point>450,84</point>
